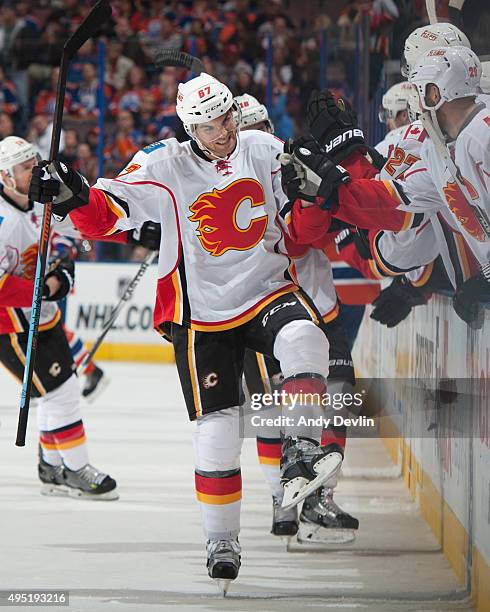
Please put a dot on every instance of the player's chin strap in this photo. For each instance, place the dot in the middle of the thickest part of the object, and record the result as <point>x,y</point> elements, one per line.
<point>213,156</point>
<point>431,125</point>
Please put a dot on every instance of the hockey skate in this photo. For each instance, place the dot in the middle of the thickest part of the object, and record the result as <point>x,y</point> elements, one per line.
<point>322,521</point>
<point>223,562</point>
<point>85,483</point>
<point>95,383</point>
<point>284,522</point>
<point>306,466</point>
<point>51,477</point>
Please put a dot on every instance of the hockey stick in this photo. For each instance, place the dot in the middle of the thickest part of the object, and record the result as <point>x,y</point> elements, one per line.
<point>89,26</point>
<point>128,293</point>
<point>172,57</point>
<point>430,5</point>
<point>436,136</point>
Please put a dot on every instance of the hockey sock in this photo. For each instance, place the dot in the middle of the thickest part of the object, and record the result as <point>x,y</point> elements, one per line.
<point>63,424</point>
<point>48,448</point>
<point>219,495</point>
<point>217,446</point>
<point>269,452</point>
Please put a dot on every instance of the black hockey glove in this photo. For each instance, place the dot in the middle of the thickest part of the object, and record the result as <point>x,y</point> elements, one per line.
<point>60,184</point>
<point>149,235</point>
<point>395,302</point>
<point>334,125</point>
<point>309,174</point>
<point>360,239</point>
<point>471,296</point>
<point>64,271</point>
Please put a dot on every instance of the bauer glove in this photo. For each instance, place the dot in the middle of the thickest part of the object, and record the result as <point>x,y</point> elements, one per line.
<point>333,124</point>
<point>64,271</point>
<point>309,174</point>
<point>395,303</point>
<point>57,183</point>
<point>149,236</point>
<point>470,297</point>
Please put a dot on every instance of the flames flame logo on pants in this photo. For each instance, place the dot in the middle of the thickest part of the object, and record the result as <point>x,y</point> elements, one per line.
<point>461,208</point>
<point>216,213</point>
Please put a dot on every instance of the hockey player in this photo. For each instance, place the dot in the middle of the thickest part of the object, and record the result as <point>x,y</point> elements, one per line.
<point>394,114</point>
<point>428,192</point>
<point>64,467</point>
<point>224,286</point>
<point>321,519</point>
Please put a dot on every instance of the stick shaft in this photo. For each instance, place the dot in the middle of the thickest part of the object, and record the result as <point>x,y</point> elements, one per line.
<point>87,28</point>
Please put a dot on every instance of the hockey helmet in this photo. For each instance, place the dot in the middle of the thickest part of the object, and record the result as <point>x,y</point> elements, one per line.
<point>427,37</point>
<point>203,99</point>
<point>456,71</point>
<point>395,100</point>
<point>15,150</point>
<point>253,112</point>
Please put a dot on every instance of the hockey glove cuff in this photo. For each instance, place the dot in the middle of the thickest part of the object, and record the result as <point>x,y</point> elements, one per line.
<point>59,184</point>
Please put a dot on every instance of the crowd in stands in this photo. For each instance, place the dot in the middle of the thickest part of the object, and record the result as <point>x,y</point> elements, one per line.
<point>231,37</point>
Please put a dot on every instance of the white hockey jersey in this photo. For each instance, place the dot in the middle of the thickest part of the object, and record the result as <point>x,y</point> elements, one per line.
<point>471,153</point>
<point>19,237</point>
<point>222,256</point>
<point>386,146</point>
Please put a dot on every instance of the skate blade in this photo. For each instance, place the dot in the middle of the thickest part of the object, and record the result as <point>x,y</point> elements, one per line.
<point>53,490</point>
<point>297,489</point>
<point>223,585</point>
<point>109,496</point>
<point>316,534</point>
<point>101,387</point>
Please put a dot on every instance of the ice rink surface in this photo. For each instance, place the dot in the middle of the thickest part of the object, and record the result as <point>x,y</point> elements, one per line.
<point>146,551</point>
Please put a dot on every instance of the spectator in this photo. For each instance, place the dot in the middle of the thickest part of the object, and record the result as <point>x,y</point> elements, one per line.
<point>68,154</point>
<point>6,126</point>
<point>129,98</point>
<point>85,103</point>
<point>117,65</point>
<point>19,34</point>
<point>130,42</point>
<point>87,163</point>
<point>40,134</point>
<point>125,142</point>
<point>46,100</point>
<point>8,98</point>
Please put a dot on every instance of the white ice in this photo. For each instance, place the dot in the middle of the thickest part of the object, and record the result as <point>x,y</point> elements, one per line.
<point>146,551</point>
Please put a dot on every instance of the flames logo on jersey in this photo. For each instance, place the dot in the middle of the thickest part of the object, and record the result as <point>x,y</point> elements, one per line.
<point>461,208</point>
<point>28,260</point>
<point>216,214</point>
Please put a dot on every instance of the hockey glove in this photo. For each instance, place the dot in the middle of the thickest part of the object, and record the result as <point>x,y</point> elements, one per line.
<point>309,174</point>
<point>333,124</point>
<point>395,303</point>
<point>64,271</point>
<point>149,236</point>
<point>59,184</point>
<point>470,297</point>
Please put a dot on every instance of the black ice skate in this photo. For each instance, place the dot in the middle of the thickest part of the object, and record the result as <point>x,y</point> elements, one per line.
<point>306,466</point>
<point>95,383</point>
<point>85,483</point>
<point>89,483</point>
<point>51,477</point>
<point>223,562</point>
<point>322,522</point>
<point>284,522</point>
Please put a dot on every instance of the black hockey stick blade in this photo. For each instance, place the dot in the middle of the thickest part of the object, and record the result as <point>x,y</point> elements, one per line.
<point>88,28</point>
<point>173,57</point>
